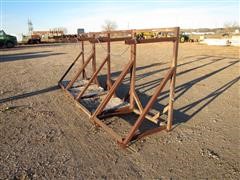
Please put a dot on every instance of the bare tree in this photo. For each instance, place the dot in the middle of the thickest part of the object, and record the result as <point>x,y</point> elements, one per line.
<point>109,25</point>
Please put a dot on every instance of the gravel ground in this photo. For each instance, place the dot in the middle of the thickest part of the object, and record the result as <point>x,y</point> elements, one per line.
<point>45,136</point>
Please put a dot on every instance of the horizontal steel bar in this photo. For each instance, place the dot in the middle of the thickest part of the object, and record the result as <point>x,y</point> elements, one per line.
<point>88,36</point>
<point>170,29</point>
<point>84,38</point>
<point>141,41</point>
<point>105,39</point>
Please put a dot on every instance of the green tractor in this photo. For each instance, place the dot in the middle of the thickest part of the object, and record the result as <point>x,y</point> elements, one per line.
<point>7,40</point>
<point>184,38</point>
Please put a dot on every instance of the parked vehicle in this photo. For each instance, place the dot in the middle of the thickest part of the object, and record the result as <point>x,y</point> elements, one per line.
<point>184,38</point>
<point>7,40</point>
<point>31,39</point>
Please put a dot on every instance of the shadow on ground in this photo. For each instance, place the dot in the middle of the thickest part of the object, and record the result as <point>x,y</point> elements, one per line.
<point>29,94</point>
<point>181,115</point>
<point>23,46</point>
<point>27,55</point>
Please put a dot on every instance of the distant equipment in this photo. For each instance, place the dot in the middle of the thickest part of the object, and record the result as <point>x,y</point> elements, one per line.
<point>80,31</point>
<point>31,39</point>
<point>184,37</point>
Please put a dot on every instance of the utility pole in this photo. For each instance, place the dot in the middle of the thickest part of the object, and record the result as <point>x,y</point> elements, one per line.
<point>30,26</point>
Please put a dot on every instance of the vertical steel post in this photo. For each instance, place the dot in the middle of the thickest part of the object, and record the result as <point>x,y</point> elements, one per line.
<point>133,72</point>
<point>109,81</point>
<point>83,72</point>
<point>172,81</point>
<point>94,66</point>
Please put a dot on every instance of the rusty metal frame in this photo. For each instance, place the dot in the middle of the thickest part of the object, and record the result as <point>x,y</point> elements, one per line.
<point>135,105</point>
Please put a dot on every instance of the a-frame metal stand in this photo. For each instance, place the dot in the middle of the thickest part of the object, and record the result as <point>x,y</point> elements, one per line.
<point>109,104</point>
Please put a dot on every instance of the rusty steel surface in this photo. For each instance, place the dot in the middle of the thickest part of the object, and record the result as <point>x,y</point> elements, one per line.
<point>134,104</point>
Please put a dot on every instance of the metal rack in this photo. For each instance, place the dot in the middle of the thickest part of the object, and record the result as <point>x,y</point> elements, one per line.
<point>82,91</point>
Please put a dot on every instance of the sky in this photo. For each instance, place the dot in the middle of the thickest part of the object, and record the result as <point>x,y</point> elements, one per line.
<point>128,14</point>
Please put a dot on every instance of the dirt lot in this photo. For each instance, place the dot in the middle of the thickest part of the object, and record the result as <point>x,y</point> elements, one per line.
<point>45,136</point>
